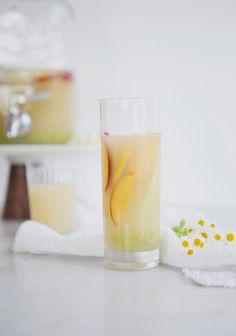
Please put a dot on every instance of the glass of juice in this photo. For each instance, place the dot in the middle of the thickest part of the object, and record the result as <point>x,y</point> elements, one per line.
<point>130,147</point>
<point>52,194</point>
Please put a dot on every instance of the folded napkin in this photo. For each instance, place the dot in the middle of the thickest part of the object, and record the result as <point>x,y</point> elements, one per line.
<point>37,238</point>
<point>213,278</point>
<point>205,250</point>
<point>189,240</point>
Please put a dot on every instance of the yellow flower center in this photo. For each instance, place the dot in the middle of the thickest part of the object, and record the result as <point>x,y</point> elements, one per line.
<point>201,244</point>
<point>230,237</point>
<point>201,222</point>
<point>185,244</point>
<point>213,226</point>
<point>217,237</point>
<point>204,235</point>
<point>190,252</point>
<point>190,230</point>
<point>197,242</point>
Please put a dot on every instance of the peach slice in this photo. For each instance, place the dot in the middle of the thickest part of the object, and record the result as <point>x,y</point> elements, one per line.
<point>105,166</point>
<point>44,78</point>
<point>119,197</point>
<point>121,164</point>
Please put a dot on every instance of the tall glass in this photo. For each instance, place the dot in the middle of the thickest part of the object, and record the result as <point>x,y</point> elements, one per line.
<point>130,143</point>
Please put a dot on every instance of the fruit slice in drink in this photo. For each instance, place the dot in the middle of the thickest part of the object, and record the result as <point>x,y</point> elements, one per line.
<point>131,199</point>
<point>119,197</point>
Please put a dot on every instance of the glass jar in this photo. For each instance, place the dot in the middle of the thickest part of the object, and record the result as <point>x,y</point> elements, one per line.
<point>36,72</point>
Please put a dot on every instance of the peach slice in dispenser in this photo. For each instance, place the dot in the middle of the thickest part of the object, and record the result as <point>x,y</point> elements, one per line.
<point>119,197</point>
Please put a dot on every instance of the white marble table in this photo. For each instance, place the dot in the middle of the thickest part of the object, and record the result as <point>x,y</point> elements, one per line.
<point>54,295</point>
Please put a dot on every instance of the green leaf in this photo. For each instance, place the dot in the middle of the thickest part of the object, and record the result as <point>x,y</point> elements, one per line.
<point>180,230</point>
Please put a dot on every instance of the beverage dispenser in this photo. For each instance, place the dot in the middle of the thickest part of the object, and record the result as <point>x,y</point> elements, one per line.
<point>36,72</point>
<point>36,85</point>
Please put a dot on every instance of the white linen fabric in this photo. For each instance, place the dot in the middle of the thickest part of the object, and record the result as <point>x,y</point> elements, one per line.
<point>206,266</point>
<point>37,238</point>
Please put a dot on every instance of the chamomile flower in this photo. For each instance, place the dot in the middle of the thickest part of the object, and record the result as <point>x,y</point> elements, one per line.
<point>202,244</point>
<point>190,252</point>
<point>218,237</point>
<point>185,243</point>
<point>230,237</point>
<point>204,235</point>
<point>201,222</point>
<point>197,242</point>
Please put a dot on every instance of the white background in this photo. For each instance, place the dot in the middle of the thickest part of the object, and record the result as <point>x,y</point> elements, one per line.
<point>183,52</point>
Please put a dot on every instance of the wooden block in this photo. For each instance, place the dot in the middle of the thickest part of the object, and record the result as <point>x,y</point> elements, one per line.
<point>17,199</point>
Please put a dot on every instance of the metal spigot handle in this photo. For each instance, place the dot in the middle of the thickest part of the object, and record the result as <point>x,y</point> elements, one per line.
<point>17,123</point>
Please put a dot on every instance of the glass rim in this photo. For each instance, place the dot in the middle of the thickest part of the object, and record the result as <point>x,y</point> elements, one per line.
<point>128,99</point>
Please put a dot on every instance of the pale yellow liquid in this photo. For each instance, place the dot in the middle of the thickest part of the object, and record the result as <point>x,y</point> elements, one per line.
<point>53,205</point>
<point>131,192</point>
<point>52,118</point>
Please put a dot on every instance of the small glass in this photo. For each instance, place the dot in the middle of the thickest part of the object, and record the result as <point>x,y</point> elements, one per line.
<point>52,195</point>
<point>130,143</point>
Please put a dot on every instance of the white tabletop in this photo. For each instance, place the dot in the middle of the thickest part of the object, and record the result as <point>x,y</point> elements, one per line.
<point>54,295</point>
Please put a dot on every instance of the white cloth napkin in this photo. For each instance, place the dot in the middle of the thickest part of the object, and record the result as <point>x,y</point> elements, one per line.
<point>214,254</point>
<point>206,266</point>
<point>213,264</point>
<point>33,237</point>
<point>214,278</point>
